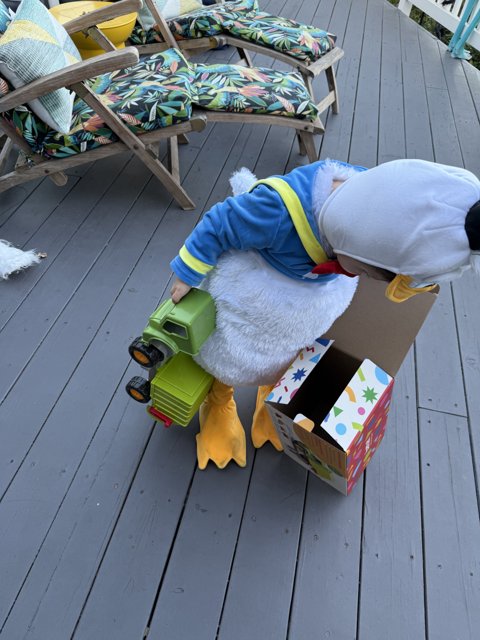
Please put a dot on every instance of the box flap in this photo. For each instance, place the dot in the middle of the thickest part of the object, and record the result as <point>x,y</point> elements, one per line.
<point>349,413</point>
<point>298,371</point>
<point>374,327</point>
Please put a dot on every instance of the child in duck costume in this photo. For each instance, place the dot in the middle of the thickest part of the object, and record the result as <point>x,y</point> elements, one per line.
<point>280,258</point>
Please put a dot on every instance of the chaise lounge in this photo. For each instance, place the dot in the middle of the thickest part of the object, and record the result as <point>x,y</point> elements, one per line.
<point>126,101</point>
<point>240,24</point>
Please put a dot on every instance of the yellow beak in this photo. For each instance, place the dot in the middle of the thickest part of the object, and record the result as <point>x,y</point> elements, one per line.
<point>400,290</point>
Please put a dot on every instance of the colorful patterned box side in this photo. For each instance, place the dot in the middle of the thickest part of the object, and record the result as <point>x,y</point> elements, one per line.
<point>354,406</point>
<point>298,371</point>
<point>368,440</point>
<point>297,445</point>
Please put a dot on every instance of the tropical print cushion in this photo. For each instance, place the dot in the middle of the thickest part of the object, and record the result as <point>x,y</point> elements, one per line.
<point>284,35</point>
<point>33,46</point>
<point>152,94</point>
<point>243,20</point>
<point>5,18</point>
<point>206,22</point>
<point>234,88</point>
<point>158,92</point>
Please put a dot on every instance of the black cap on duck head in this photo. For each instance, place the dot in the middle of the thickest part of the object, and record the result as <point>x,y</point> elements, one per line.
<point>472,227</point>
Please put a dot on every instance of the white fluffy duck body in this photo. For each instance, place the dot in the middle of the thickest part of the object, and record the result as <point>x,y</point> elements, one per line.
<point>264,318</point>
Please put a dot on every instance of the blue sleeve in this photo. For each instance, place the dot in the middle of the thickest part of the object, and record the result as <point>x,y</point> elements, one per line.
<point>248,221</point>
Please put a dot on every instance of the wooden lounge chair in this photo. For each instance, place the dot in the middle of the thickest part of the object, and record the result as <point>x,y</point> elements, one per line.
<point>101,126</point>
<point>239,23</point>
<point>194,93</point>
<point>236,92</point>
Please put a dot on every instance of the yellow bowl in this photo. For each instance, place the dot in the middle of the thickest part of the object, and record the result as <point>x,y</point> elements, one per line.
<point>116,30</point>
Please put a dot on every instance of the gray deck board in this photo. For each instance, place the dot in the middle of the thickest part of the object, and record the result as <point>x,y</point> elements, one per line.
<point>437,353</point>
<point>108,528</point>
<point>465,112</point>
<point>266,551</point>
<point>418,137</point>
<point>336,139</point>
<point>391,123</point>
<point>452,543</point>
<point>204,551</point>
<point>40,484</point>
<point>325,599</point>
<point>442,118</point>
<point>391,582</point>
<point>466,298</point>
<point>364,134</point>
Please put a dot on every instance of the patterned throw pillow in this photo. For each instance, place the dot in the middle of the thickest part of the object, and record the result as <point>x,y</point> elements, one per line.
<point>204,22</point>
<point>5,18</point>
<point>34,45</point>
<point>169,9</point>
<point>287,36</point>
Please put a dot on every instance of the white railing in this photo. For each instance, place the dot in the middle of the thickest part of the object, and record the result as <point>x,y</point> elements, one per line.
<point>461,17</point>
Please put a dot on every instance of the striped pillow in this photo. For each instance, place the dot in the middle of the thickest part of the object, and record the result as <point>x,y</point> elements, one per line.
<point>34,45</point>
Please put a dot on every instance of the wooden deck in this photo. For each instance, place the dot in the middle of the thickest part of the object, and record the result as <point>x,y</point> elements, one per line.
<point>108,529</point>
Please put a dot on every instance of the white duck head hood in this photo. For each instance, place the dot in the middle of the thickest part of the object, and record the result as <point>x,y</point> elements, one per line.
<point>410,217</point>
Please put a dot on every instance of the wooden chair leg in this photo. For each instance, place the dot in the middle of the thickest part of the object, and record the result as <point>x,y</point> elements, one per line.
<point>57,177</point>
<point>166,178</point>
<point>134,143</point>
<point>6,147</point>
<point>307,145</point>
<point>244,57</point>
<point>308,83</point>
<point>25,152</point>
<point>25,171</point>
<point>332,86</point>
<point>301,147</point>
<point>173,159</point>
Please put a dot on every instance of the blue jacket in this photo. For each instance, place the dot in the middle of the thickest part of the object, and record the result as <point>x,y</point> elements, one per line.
<point>255,220</point>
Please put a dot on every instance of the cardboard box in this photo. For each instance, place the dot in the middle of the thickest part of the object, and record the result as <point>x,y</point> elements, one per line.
<point>330,407</point>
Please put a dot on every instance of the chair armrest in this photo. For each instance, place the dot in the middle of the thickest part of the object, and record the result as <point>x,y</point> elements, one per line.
<point>69,76</point>
<point>93,18</point>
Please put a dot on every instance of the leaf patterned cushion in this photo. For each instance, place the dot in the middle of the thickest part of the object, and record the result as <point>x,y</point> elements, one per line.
<point>282,34</point>
<point>243,20</point>
<point>5,18</point>
<point>208,21</point>
<point>235,88</point>
<point>154,93</point>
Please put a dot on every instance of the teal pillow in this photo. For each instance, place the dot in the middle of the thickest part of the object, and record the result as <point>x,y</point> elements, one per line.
<point>34,45</point>
<point>5,18</point>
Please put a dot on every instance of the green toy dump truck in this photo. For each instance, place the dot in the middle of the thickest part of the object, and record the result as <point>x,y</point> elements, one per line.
<point>176,385</point>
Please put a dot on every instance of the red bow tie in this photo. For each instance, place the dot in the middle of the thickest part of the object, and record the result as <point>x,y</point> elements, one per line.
<point>331,266</point>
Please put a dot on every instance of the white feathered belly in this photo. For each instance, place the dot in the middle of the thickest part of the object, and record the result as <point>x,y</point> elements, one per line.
<point>264,318</point>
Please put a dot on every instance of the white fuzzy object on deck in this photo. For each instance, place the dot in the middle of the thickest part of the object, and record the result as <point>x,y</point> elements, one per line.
<point>13,259</point>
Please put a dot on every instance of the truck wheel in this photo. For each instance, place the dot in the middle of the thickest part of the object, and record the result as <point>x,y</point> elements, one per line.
<point>139,389</point>
<point>145,354</point>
